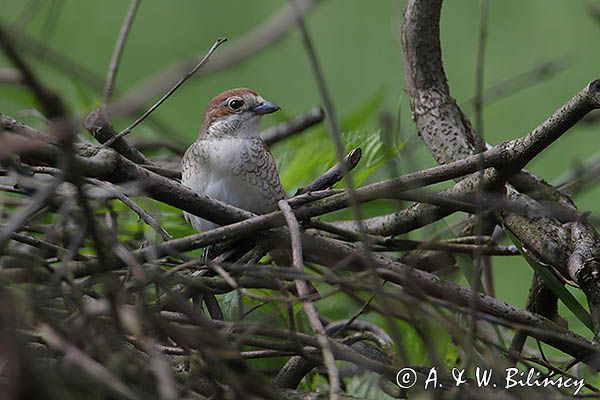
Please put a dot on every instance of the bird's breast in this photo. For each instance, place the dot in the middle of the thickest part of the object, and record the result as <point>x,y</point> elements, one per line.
<point>240,172</point>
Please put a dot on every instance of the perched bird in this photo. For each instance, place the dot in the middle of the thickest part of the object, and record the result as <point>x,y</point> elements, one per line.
<point>229,161</point>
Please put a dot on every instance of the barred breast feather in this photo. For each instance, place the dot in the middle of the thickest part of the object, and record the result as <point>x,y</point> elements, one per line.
<point>238,171</point>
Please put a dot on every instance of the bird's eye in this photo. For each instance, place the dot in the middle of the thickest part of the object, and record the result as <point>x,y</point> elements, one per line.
<point>236,104</point>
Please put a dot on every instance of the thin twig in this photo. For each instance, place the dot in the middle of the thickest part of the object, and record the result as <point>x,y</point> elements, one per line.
<point>43,244</point>
<point>329,109</point>
<point>11,76</point>
<point>295,125</point>
<point>269,32</point>
<point>521,81</point>
<point>199,65</point>
<point>389,244</point>
<point>169,144</point>
<point>87,364</point>
<point>28,11</point>
<point>118,50</point>
<point>333,174</point>
<point>143,214</point>
<point>97,124</point>
<point>309,308</point>
<point>50,24</point>
<point>51,103</point>
<point>38,201</point>
<point>478,98</point>
<point>482,224</point>
<point>334,130</point>
<point>581,176</point>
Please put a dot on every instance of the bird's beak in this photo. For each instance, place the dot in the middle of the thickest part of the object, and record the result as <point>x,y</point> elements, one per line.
<point>266,108</point>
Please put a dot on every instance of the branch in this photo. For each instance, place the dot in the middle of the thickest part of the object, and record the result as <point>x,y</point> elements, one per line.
<point>499,157</point>
<point>138,121</point>
<point>295,125</point>
<point>143,214</point>
<point>268,33</point>
<point>38,202</point>
<point>50,102</point>
<point>478,98</point>
<point>10,76</point>
<point>96,123</point>
<point>390,244</point>
<point>90,366</point>
<point>324,252</point>
<point>418,214</point>
<point>317,249</point>
<point>334,174</point>
<point>580,176</point>
<point>309,308</point>
<point>584,266</point>
<point>541,300</point>
<point>449,136</point>
<point>442,126</point>
<point>521,81</point>
<point>118,51</point>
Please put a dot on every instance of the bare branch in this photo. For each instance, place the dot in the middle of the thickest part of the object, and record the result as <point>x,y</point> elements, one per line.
<point>478,98</point>
<point>87,364</point>
<point>295,125</point>
<point>268,33</point>
<point>96,123</point>
<point>9,76</point>
<point>309,308</point>
<point>449,136</point>
<point>584,266</point>
<point>38,201</point>
<point>143,214</point>
<point>50,102</point>
<point>334,174</point>
<point>523,80</point>
<point>118,51</point>
<point>199,65</point>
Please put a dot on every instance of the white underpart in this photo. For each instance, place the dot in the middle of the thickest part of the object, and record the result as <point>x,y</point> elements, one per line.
<point>247,128</point>
<point>217,178</point>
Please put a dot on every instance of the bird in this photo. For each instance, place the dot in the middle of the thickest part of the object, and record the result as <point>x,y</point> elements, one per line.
<point>229,161</point>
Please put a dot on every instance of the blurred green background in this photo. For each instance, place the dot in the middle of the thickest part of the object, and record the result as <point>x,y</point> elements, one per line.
<point>359,48</point>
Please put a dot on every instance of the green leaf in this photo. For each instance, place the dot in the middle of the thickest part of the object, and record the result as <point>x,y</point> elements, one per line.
<point>298,167</point>
<point>555,285</point>
<point>452,357</point>
<point>375,153</point>
<point>467,267</point>
<point>229,303</point>
<point>366,386</point>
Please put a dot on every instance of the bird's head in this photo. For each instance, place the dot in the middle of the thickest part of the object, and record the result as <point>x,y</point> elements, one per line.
<point>236,113</point>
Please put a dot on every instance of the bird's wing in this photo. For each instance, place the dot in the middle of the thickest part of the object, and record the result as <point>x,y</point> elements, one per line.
<point>257,160</point>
